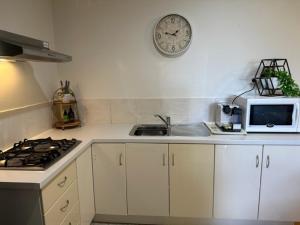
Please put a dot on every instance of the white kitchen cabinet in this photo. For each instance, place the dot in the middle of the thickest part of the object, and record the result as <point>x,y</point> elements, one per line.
<point>280,188</point>
<point>109,178</point>
<point>54,190</point>
<point>63,206</point>
<point>73,217</point>
<point>237,181</point>
<point>147,179</point>
<point>191,180</point>
<point>85,187</point>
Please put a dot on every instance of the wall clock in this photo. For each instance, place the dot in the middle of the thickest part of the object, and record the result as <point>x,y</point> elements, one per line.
<point>172,35</point>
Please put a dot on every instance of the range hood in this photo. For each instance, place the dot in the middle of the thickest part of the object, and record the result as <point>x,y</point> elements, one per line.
<point>19,47</point>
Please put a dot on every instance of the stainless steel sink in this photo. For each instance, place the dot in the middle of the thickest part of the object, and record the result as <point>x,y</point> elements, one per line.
<point>198,129</point>
<point>149,130</point>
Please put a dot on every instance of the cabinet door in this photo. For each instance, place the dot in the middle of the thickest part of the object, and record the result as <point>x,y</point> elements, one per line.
<point>85,187</point>
<point>191,180</point>
<point>237,181</point>
<point>280,189</point>
<point>147,179</point>
<point>109,179</point>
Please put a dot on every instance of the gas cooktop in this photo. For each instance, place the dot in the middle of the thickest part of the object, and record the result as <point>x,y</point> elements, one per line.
<point>37,154</point>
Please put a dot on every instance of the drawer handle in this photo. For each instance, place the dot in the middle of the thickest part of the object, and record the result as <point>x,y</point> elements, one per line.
<point>62,183</point>
<point>64,208</point>
<point>70,223</point>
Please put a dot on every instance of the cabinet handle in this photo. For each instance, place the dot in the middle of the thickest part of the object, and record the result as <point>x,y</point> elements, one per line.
<point>164,159</point>
<point>62,183</point>
<point>257,161</point>
<point>120,159</point>
<point>173,159</point>
<point>268,162</point>
<point>64,208</point>
<point>70,223</point>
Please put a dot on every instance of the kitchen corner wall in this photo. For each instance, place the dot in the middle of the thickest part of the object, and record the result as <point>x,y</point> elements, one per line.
<point>24,123</point>
<point>116,66</point>
<point>26,87</point>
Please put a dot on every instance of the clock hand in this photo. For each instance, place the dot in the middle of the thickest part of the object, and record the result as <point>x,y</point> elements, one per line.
<point>174,34</point>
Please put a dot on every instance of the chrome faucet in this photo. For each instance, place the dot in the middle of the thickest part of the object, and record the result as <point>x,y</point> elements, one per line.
<point>167,120</point>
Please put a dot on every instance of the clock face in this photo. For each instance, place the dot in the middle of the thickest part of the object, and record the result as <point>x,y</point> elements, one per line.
<point>172,35</point>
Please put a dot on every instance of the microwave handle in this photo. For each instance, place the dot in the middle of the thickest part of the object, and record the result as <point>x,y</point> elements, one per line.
<point>296,114</point>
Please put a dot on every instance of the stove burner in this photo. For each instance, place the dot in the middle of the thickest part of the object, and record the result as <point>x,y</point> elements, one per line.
<point>36,154</point>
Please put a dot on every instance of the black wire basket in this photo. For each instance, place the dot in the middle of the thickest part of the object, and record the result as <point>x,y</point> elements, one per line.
<point>269,86</point>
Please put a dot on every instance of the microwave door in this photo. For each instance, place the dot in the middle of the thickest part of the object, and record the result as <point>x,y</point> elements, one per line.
<point>273,118</point>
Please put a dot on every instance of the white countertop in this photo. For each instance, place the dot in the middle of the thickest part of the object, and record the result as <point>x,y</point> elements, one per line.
<point>120,133</point>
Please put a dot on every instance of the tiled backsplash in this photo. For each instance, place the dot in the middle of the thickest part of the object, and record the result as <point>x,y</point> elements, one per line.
<point>16,126</point>
<point>181,110</point>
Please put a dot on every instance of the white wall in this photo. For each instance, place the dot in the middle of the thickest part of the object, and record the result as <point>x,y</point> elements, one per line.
<point>26,83</point>
<point>114,56</point>
<point>23,84</point>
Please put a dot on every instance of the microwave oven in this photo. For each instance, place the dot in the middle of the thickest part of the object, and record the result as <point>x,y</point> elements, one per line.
<point>270,114</point>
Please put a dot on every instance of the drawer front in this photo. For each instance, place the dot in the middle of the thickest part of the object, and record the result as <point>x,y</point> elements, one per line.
<point>62,206</point>
<point>58,186</point>
<point>73,218</point>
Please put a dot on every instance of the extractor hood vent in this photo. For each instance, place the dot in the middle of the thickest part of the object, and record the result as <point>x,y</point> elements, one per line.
<point>19,47</point>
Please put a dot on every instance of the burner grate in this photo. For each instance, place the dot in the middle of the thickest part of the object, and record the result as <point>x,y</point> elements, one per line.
<point>36,154</point>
